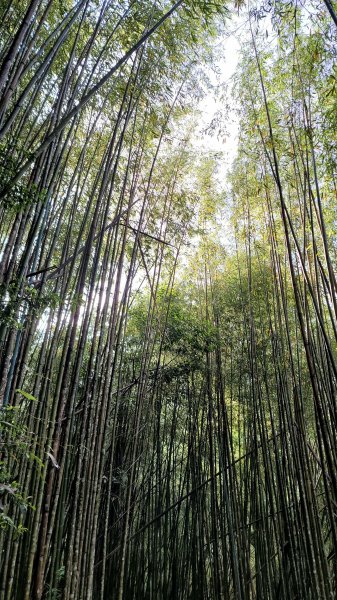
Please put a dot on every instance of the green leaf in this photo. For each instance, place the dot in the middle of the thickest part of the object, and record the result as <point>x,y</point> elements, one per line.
<point>27,395</point>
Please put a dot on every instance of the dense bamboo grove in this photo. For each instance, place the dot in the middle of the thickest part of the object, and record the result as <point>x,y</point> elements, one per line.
<point>168,396</point>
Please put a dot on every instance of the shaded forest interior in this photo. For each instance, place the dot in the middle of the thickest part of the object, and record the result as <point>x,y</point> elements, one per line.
<point>168,326</point>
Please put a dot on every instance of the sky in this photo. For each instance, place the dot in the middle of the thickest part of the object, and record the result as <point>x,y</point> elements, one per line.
<point>219,101</point>
<point>226,58</point>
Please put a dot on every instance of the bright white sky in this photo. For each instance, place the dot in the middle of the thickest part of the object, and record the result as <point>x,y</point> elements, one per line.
<point>220,102</point>
<point>226,60</point>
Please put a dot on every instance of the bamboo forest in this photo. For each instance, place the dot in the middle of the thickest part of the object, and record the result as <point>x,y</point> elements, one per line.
<point>168,300</point>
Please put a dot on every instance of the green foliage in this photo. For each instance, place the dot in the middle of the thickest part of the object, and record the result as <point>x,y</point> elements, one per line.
<point>27,395</point>
<point>21,196</point>
<point>16,299</point>
<point>183,335</point>
<point>16,441</point>
<point>206,9</point>
<point>55,593</point>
